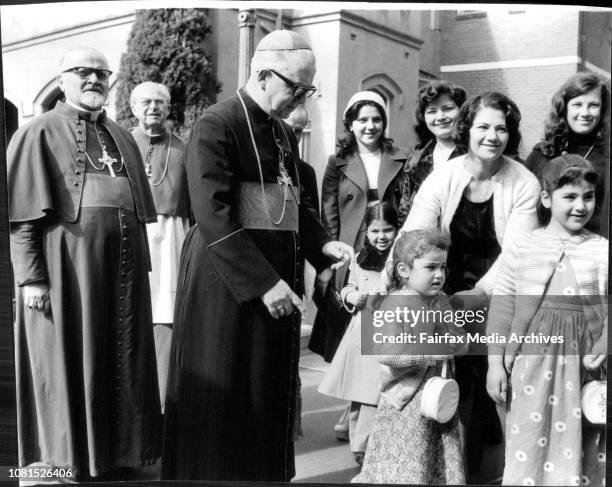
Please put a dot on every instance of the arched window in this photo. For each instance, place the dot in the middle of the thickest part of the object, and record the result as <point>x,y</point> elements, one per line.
<point>386,87</point>
<point>47,97</point>
<point>49,102</point>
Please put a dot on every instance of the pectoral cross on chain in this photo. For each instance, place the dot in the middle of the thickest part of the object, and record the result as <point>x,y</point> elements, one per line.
<point>108,161</point>
<point>284,179</point>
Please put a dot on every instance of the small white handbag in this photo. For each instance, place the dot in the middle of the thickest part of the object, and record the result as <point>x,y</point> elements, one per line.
<point>594,400</point>
<point>440,397</point>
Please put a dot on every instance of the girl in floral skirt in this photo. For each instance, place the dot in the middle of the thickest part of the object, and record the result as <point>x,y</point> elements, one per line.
<point>552,285</point>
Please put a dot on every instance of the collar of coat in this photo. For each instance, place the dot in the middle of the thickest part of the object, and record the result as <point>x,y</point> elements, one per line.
<point>391,163</point>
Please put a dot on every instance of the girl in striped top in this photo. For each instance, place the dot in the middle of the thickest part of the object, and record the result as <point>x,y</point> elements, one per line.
<point>546,323</point>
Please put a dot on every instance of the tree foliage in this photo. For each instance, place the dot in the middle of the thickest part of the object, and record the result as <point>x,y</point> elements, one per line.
<point>167,46</point>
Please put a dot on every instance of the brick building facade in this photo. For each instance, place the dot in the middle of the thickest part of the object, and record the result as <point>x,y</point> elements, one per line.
<point>524,52</point>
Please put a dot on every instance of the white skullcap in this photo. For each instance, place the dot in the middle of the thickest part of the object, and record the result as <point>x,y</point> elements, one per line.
<point>282,40</point>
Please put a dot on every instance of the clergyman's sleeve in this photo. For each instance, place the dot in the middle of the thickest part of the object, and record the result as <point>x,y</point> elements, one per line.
<point>26,253</point>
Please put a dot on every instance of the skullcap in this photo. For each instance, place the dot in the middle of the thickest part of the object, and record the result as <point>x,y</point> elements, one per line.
<point>282,40</point>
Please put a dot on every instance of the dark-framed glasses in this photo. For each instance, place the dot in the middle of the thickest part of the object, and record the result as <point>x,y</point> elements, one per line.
<point>85,72</point>
<point>299,91</point>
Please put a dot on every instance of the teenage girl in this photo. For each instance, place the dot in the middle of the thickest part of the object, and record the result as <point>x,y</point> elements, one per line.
<point>551,284</point>
<point>353,376</point>
<point>405,447</point>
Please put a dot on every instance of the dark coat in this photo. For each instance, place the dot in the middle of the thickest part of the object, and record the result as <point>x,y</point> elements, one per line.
<point>230,405</point>
<point>344,196</point>
<point>308,180</point>
<point>344,202</point>
<point>418,167</point>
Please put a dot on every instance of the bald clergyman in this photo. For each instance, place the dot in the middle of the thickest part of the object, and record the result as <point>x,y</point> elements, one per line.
<point>162,154</point>
<point>230,406</point>
<point>79,199</point>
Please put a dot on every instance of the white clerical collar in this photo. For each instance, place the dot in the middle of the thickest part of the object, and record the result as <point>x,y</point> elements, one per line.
<point>93,114</point>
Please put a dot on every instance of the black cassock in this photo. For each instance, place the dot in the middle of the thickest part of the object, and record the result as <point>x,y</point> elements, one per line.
<point>230,406</point>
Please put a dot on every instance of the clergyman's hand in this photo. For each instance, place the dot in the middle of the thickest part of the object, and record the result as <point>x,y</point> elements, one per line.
<point>341,252</point>
<point>280,300</point>
<point>36,297</point>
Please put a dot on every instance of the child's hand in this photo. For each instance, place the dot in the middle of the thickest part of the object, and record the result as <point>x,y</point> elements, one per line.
<point>592,362</point>
<point>497,382</point>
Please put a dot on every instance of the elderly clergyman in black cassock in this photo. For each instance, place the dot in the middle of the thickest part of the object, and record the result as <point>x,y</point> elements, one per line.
<point>85,361</point>
<point>231,398</point>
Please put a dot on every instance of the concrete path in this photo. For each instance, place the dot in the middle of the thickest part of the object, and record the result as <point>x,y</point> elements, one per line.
<point>319,457</point>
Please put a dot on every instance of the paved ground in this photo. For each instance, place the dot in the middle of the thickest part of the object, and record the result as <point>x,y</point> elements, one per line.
<point>319,456</point>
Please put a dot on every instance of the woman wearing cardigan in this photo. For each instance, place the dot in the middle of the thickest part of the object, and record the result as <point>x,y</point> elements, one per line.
<point>437,110</point>
<point>483,201</point>
<point>577,125</point>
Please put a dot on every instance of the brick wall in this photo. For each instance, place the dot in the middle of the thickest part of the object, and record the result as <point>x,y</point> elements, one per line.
<point>501,35</point>
<point>507,34</point>
<point>596,38</point>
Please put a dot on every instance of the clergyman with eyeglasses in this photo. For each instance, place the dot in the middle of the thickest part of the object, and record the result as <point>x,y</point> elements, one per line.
<point>79,199</point>
<point>162,154</point>
<point>230,405</point>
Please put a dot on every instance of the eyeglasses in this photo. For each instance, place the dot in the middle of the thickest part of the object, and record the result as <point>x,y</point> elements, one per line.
<point>158,102</point>
<point>84,73</point>
<point>299,91</point>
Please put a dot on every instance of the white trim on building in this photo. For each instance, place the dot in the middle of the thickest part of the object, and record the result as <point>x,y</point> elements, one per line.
<point>513,63</point>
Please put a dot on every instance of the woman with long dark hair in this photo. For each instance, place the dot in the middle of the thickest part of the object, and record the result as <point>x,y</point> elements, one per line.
<point>577,124</point>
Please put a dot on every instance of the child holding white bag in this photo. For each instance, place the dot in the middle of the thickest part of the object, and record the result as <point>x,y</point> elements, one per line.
<point>405,447</point>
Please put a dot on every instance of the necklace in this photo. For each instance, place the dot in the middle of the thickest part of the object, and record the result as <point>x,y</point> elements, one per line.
<point>148,164</point>
<point>284,180</point>
<point>589,151</point>
<point>106,160</point>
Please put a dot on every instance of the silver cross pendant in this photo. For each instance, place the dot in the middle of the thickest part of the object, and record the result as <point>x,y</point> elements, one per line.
<point>108,162</point>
